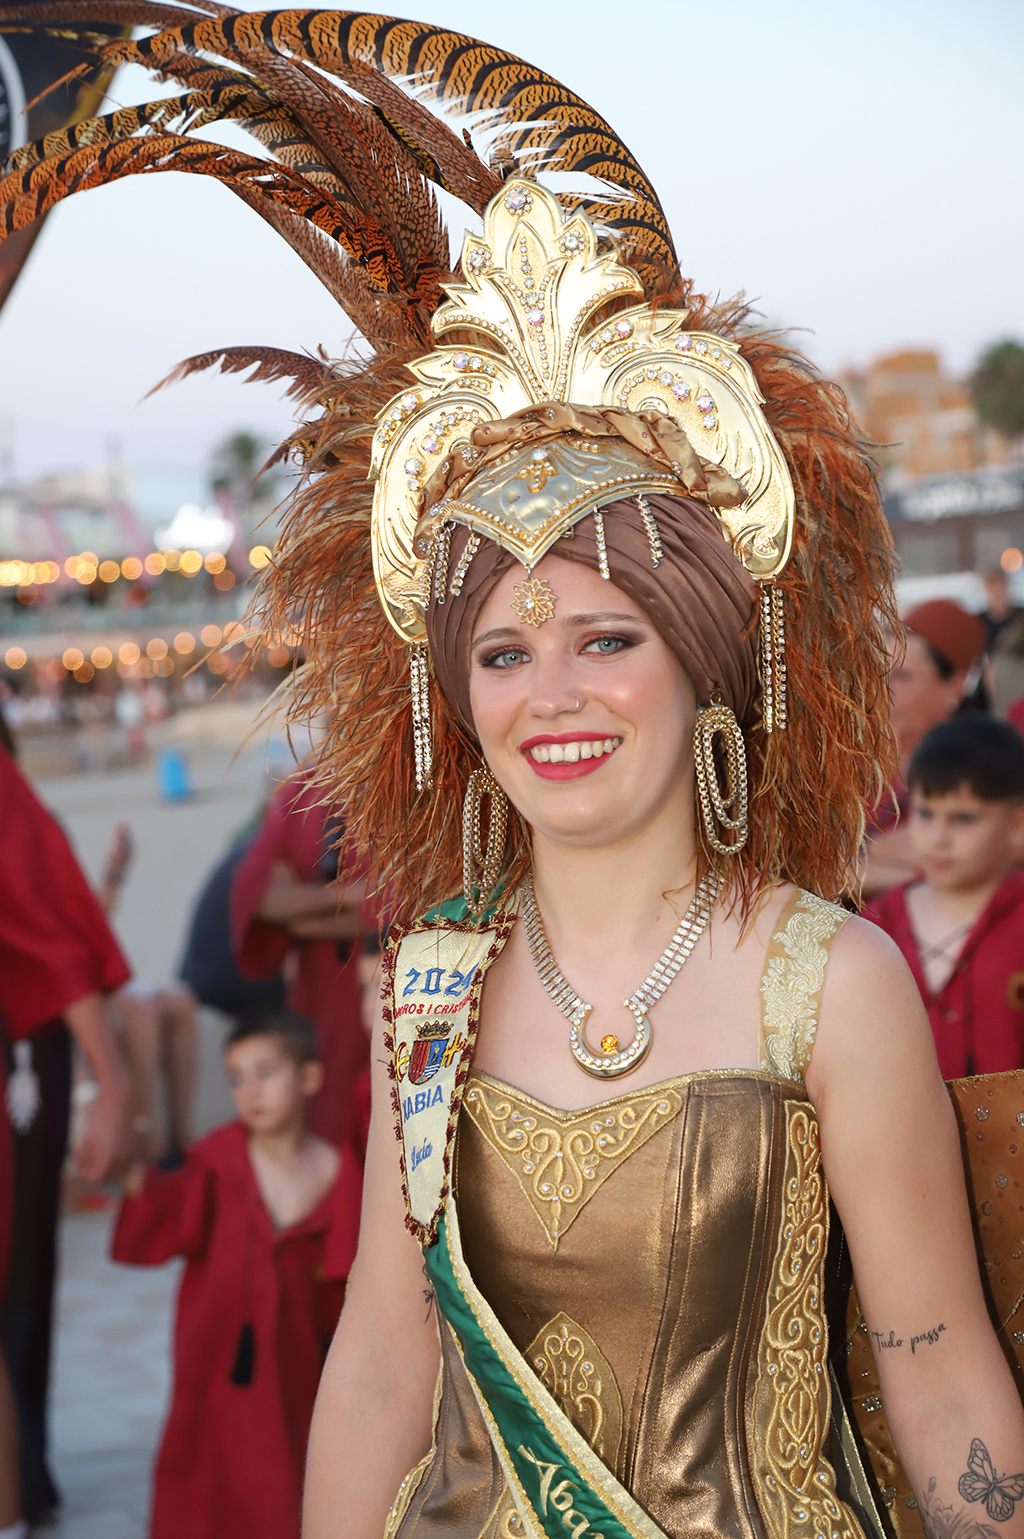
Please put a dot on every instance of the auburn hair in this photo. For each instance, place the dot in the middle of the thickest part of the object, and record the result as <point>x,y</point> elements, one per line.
<point>810,784</point>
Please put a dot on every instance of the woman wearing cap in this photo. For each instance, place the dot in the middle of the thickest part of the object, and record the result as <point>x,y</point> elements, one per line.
<point>607,659</point>
<point>931,664</point>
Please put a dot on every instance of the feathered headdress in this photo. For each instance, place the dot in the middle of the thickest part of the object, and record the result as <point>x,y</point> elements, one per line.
<point>349,159</point>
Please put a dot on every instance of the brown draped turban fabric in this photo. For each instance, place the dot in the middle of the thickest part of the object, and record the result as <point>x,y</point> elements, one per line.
<point>700,598</point>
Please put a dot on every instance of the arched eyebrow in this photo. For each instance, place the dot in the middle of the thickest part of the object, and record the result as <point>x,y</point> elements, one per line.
<point>580,622</point>
<point>604,617</point>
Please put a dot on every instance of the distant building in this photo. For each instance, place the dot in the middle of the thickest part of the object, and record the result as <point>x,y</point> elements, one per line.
<point>922,420</point>
<point>954,487</point>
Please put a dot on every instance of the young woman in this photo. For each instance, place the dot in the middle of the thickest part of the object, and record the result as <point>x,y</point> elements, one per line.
<point>672,1262</point>
<point>626,688</point>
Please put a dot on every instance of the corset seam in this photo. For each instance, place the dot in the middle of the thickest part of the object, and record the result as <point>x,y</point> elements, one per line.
<point>669,1242</point>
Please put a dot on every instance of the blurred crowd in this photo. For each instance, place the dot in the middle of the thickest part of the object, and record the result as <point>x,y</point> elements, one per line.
<point>944,859</point>
<point>285,942</point>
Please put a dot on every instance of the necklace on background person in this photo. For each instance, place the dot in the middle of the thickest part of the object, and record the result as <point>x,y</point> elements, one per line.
<point>940,949</point>
<point>612,1062</point>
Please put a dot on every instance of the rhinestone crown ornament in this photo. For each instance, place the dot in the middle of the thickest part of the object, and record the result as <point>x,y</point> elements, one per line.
<point>535,287</point>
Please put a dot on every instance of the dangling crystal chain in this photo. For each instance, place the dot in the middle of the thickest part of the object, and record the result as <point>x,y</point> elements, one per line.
<point>470,549</point>
<point>779,649</point>
<point>612,1063</point>
<point>444,545</point>
<point>773,657</point>
<point>650,525</point>
<point>419,686</point>
<point>602,546</point>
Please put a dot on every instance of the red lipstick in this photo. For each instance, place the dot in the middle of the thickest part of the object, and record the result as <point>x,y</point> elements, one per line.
<point>563,771</point>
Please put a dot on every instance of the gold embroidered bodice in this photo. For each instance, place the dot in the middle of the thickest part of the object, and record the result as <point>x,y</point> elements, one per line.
<point>658,1259</point>
<point>561,1159</point>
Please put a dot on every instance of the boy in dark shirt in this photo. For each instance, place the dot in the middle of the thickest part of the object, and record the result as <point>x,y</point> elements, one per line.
<point>961,926</point>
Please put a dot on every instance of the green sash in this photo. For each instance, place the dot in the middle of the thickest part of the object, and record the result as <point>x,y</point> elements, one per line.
<point>559,1485</point>
<point>433,979</point>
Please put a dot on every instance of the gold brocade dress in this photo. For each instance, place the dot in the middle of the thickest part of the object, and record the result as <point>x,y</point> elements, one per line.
<point>659,1260</point>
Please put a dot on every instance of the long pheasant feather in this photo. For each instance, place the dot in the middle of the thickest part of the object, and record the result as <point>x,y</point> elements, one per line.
<point>194,110</point>
<point>539,123</point>
<point>27,194</point>
<point>308,375</point>
<point>387,321</point>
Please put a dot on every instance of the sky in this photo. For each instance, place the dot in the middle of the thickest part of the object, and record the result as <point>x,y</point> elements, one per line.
<point>854,167</point>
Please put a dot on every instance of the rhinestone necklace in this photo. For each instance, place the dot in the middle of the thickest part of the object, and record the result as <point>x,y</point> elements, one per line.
<point>612,1062</point>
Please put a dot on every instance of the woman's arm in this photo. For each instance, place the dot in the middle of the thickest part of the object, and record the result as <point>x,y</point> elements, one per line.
<point>892,1158</point>
<point>372,1421</point>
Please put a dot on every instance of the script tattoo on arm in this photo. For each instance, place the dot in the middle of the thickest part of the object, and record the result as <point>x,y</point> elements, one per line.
<point>888,1343</point>
<point>979,1483</point>
<point>428,1295</point>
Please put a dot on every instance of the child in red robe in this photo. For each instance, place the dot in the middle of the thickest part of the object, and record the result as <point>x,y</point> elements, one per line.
<point>254,1210</point>
<point>961,926</point>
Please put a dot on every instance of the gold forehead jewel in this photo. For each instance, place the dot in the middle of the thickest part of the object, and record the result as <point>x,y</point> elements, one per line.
<point>534,602</point>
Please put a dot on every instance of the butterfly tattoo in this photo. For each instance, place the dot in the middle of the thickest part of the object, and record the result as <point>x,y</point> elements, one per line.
<point>980,1483</point>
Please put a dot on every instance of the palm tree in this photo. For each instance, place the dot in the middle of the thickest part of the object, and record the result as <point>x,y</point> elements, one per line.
<point>235,463</point>
<point>997,386</point>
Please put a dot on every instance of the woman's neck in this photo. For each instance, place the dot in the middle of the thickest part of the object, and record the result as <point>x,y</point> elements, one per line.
<point>618,890</point>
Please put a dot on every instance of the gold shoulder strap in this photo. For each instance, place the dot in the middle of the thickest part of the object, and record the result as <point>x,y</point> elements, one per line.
<point>792,981</point>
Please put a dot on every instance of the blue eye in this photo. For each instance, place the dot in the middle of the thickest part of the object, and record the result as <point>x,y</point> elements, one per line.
<point>607,646</point>
<point>508,657</point>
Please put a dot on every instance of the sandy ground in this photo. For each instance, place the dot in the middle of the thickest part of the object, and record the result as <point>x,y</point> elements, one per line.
<point>111,1383</point>
<point>112,1371</point>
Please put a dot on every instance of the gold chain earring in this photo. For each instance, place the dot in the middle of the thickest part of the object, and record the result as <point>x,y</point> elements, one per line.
<point>726,809</point>
<point>481,867</point>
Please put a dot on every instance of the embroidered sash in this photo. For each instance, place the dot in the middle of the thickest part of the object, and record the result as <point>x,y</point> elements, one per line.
<point>433,979</point>
<point>559,1485</point>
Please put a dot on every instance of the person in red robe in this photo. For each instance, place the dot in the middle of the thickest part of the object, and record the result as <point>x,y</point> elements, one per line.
<point>58,958</point>
<point>961,926</point>
<point>292,899</point>
<point>266,1215</point>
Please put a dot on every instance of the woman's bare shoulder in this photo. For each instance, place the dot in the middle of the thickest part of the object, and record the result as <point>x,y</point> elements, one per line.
<point>872,1021</point>
<point>865,955</point>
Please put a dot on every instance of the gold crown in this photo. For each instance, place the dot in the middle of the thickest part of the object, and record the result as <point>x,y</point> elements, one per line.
<point>535,287</point>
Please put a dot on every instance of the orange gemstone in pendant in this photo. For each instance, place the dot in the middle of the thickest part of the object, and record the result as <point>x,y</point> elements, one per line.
<point>609,1044</point>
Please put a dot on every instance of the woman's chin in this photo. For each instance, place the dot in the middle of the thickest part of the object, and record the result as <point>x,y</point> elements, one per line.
<point>584,825</point>
<point>595,811</point>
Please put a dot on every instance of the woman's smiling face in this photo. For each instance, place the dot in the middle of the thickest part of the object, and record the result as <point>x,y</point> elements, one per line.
<point>587,720</point>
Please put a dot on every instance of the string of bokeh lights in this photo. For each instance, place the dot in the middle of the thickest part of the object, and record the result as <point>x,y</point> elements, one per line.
<point>86,568</point>
<point>159,658</point>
